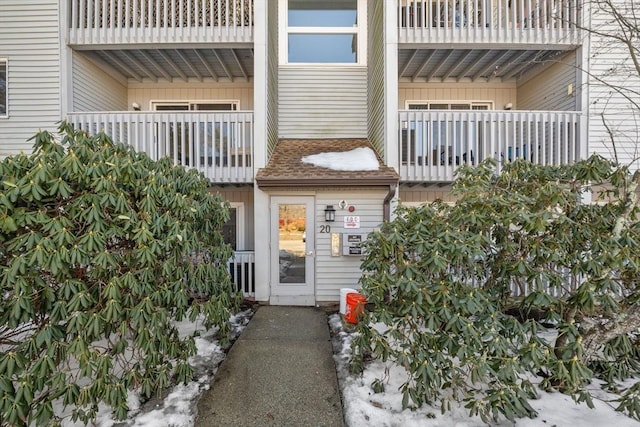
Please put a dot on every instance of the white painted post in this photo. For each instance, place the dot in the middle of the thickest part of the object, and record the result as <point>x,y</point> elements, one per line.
<point>391,131</point>
<point>261,199</point>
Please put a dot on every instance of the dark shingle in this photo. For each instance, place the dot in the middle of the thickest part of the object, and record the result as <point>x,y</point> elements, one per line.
<point>286,168</point>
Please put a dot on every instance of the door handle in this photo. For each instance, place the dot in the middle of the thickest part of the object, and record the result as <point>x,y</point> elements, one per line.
<point>310,253</point>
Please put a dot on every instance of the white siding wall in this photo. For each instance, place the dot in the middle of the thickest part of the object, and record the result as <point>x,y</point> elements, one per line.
<point>323,102</point>
<point>499,93</point>
<point>144,93</point>
<point>242,195</point>
<point>333,273</point>
<point>548,90</point>
<point>30,41</point>
<point>94,89</point>
<point>610,62</point>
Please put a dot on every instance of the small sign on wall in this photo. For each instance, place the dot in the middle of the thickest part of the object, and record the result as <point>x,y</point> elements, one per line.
<point>336,244</point>
<point>352,244</point>
<point>351,221</point>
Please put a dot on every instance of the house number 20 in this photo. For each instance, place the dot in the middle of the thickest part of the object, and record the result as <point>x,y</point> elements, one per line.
<point>325,229</point>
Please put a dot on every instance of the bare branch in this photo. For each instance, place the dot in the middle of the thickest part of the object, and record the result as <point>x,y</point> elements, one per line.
<point>611,137</point>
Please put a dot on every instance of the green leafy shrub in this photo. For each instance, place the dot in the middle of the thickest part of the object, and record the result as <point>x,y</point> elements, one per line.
<point>519,281</point>
<point>101,249</point>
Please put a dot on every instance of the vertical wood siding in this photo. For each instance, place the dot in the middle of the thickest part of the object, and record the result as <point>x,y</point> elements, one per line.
<point>611,63</point>
<point>323,102</point>
<point>30,42</point>
<point>94,89</point>
<point>548,90</point>
<point>421,195</point>
<point>144,93</point>
<point>243,195</point>
<point>376,78</point>
<point>333,273</point>
<point>499,93</point>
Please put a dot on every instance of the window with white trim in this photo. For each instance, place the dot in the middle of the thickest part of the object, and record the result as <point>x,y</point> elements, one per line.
<point>233,229</point>
<point>232,105</point>
<point>323,32</point>
<point>448,139</point>
<point>4,99</point>
<point>449,105</point>
<point>209,141</point>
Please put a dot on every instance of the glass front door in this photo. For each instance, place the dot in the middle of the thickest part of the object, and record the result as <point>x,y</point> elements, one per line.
<point>292,247</point>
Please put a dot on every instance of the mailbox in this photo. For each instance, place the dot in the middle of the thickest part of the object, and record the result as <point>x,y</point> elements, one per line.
<point>352,244</point>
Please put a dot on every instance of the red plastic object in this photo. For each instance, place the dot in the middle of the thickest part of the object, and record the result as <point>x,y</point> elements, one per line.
<point>355,307</point>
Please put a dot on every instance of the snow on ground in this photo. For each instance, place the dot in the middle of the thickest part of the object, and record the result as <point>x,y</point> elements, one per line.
<point>358,159</point>
<point>363,407</point>
<point>178,408</point>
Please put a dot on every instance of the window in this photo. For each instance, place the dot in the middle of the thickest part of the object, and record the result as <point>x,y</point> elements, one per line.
<point>449,105</point>
<point>233,229</point>
<point>195,105</point>
<point>3,88</point>
<point>201,142</point>
<point>323,31</point>
<point>230,229</point>
<point>451,139</point>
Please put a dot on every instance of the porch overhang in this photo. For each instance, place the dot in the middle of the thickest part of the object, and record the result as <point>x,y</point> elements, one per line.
<point>472,63</point>
<point>219,63</point>
<point>286,169</point>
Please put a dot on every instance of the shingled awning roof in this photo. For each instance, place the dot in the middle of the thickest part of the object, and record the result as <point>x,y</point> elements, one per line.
<point>286,169</point>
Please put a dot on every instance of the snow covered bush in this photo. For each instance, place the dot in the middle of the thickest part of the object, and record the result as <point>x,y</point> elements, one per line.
<point>519,283</point>
<point>101,250</point>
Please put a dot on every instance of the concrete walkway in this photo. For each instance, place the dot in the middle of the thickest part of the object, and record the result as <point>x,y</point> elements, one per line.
<point>280,372</point>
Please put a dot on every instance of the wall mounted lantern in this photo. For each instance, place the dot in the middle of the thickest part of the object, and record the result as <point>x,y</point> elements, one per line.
<point>329,214</point>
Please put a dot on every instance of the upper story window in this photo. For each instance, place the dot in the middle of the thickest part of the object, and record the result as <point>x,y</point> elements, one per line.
<point>3,88</point>
<point>323,31</point>
<point>195,105</point>
<point>449,105</point>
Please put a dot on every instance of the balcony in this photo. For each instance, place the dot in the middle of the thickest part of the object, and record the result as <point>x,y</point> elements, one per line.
<point>478,22</point>
<point>146,22</point>
<point>220,145</point>
<point>433,144</point>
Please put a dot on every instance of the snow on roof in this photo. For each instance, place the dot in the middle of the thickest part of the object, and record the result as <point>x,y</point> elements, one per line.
<point>358,159</point>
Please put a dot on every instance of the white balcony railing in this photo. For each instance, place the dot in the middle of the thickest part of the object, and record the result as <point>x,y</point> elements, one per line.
<point>160,21</point>
<point>433,144</point>
<point>218,144</point>
<point>489,21</point>
<point>242,271</point>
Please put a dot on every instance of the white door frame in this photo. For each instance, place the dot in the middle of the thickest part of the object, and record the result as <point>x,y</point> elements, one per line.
<point>302,293</point>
